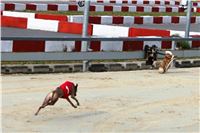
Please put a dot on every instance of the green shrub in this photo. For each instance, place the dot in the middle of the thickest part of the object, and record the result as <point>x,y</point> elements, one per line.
<point>183,45</point>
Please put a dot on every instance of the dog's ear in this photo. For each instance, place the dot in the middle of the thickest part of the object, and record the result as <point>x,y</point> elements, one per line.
<point>76,87</point>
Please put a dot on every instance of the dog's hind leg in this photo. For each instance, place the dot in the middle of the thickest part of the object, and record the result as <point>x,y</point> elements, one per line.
<point>45,102</point>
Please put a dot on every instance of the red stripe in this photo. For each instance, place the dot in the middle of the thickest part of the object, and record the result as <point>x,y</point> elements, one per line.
<point>138,20</point>
<point>108,8</point>
<point>9,6</point>
<point>28,46</point>
<point>155,9</point>
<point>77,46</point>
<point>118,20</point>
<point>73,8</point>
<point>134,2</point>
<point>193,19</point>
<point>157,2</point>
<point>92,8</point>
<point>196,44</point>
<point>99,1</point>
<point>30,7</point>
<point>166,45</point>
<point>95,46</point>
<point>145,2</point>
<point>73,28</point>
<point>168,9</point>
<point>112,1</point>
<point>14,22</point>
<point>132,45</point>
<point>124,2</point>
<point>125,8</point>
<point>157,20</point>
<point>175,20</point>
<point>52,7</point>
<point>148,32</point>
<point>140,9</point>
<point>195,4</point>
<point>177,3</point>
<point>51,17</point>
<point>198,9</point>
<point>181,9</point>
<point>167,3</point>
<point>95,20</point>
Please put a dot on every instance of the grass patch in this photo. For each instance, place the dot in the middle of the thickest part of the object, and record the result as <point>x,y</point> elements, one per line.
<point>113,13</point>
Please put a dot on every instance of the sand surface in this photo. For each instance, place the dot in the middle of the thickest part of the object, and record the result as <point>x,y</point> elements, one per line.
<point>131,101</point>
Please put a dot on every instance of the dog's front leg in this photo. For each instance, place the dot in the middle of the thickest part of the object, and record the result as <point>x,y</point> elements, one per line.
<point>73,97</point>
<point>71,103</point>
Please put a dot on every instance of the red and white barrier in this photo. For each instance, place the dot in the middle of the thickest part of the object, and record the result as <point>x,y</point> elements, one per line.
<point>142,2</point>
<point>108,20</point>
<point>97,8</point>
<point>130,20</point>
<point>70,46</point>
<point>76,28</point>
<point>45,25</point>
<point>35,15</point>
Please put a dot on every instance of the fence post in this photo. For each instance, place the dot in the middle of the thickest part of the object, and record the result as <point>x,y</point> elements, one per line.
<point>84,46</point>
<point>189,9</point>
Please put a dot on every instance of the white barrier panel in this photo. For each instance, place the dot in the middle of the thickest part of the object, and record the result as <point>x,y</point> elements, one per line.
<point>41,7</point>
<point>182,33</point>
<point>106,20</point>
<point>63,7</point>
<point>76,18</point>
<point>198,20</point>
<point>147,20</point>
<point>55,46</point>
<point>117,8</point>
<point>19,14</point>
<point>20,7</point>
<point>147,8</point>
<point>167,19</point>
<point>99,8</point>
<point>110,31</point>
<point>128,20</point>
<point>6,46</point>
<point>132,9</point>
<point>2,6</point>
<point>182,20</point>
<point>40,24</point>
<point>151,43</point>
<point>111,46</point>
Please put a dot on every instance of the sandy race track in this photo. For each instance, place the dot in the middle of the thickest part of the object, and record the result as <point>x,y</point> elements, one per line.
<point>132,101</point>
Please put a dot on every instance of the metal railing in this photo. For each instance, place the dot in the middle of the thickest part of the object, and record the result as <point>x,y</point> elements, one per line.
<point>85,55</point>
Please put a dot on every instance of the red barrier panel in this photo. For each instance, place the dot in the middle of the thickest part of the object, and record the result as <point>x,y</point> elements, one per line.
<point>51,17</point>
<point>95,20</point>
<point>175,20</point>
<point>196,44</point>
<point>118,20</point>
<point>73,28</point>
<point>198,9</point>
<point>95,46</point>
<point>28,46</point>
<point>52,7</point>
<point>138,20</point>
<point>9,6</point>
<point>31,7</point>
<point>133,45</point>
<point>133,32</point>
<point>14,22</point>
<point>157,20</point>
